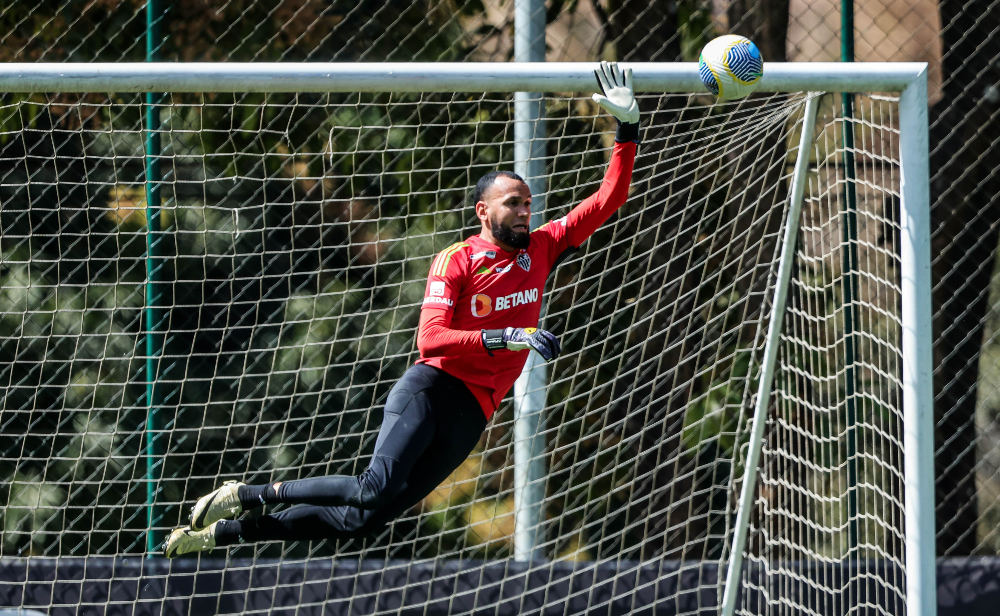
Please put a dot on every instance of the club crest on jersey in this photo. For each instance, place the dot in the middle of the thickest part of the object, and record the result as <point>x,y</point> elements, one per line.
<point>489,254</point>
<point>524,261</point>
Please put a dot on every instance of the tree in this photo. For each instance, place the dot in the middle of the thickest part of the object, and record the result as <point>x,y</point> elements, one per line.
<point>78,213</point>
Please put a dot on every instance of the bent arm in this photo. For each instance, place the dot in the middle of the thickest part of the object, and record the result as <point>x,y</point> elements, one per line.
<point>435,338</point>
<point>587,217</point>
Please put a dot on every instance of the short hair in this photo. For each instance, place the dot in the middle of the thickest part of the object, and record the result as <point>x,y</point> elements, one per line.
<point>487,180</point>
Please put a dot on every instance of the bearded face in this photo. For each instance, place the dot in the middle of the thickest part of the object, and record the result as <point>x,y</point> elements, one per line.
<point>505,211</point>
<point>515,238</point>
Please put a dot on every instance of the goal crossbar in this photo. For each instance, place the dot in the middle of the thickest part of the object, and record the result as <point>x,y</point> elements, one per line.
<point>433,77</point>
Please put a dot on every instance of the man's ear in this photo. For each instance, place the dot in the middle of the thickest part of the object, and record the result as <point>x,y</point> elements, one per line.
<point>481,211</point>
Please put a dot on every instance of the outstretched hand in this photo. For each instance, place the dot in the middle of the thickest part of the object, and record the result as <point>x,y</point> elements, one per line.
<point>618,98</point>
<point>544,343</point>
<point>522,338</point>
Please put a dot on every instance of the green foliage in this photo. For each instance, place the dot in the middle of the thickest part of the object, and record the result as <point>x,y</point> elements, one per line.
<point>299,230</point>
<point>695,26</point>
<point>718,402</point>
<point>240,30</point>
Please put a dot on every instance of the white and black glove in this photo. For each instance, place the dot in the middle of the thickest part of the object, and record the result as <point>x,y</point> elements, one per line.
<point>618,99</point>
<point>521,338</point>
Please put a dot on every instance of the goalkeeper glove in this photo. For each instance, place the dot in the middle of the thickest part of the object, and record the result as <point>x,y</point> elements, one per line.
<point>618,99</point>
<point>519,339</point>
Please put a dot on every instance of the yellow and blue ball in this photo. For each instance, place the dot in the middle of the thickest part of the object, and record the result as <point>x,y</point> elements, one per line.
<point>730,66</point>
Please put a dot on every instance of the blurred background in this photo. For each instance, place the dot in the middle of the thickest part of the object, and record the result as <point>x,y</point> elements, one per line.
<point>959,40</point>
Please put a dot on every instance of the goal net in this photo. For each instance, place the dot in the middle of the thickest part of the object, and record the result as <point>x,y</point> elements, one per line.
<point>257,334</point>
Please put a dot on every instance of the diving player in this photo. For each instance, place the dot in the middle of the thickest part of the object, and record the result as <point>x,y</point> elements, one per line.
<point>478,323</point>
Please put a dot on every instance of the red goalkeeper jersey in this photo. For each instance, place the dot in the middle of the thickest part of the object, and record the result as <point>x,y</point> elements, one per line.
<point>476,285</point>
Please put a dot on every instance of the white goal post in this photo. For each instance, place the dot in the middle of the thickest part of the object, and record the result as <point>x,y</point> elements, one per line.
<point>909,80</point>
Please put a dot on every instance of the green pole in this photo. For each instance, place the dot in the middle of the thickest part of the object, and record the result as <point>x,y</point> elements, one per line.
<point>154,292</point>
<point>849,260</point>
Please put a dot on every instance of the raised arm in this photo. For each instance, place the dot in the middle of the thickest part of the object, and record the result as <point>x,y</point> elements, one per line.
<point>617,99</point>
<point>587,217</point>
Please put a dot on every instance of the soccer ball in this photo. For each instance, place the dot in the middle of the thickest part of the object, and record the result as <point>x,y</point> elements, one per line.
<point>730,66</point>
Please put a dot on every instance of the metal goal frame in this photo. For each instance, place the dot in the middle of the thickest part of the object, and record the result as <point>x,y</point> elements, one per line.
<point>907,79</point>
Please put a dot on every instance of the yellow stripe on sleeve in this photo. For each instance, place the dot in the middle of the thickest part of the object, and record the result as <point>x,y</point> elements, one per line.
<point>437,259</point>
<point>444,257</point>
<point>447,258</point>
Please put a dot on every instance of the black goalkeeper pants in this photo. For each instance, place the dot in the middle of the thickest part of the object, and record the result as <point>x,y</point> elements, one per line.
<point>431,424</point>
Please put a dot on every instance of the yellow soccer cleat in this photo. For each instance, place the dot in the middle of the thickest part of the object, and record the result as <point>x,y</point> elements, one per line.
<point>221,504</point>
<point>187,541</point>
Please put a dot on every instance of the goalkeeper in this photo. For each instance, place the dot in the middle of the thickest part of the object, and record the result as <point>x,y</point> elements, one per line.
<point>477,325</point>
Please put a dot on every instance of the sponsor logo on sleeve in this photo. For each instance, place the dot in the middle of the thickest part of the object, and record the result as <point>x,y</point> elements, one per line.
<point>440,301</point>
<point>437,287</point>
<point>483,305</point>
<point>524,261</point>
<point>488,254</point>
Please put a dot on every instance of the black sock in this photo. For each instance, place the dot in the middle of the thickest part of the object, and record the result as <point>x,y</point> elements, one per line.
<point>252,497</point>
<point>270,528</point>
<point>227,532</point>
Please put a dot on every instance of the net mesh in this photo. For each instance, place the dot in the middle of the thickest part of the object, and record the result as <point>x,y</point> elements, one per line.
<point>832,472</point>
<point>298,231</point>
